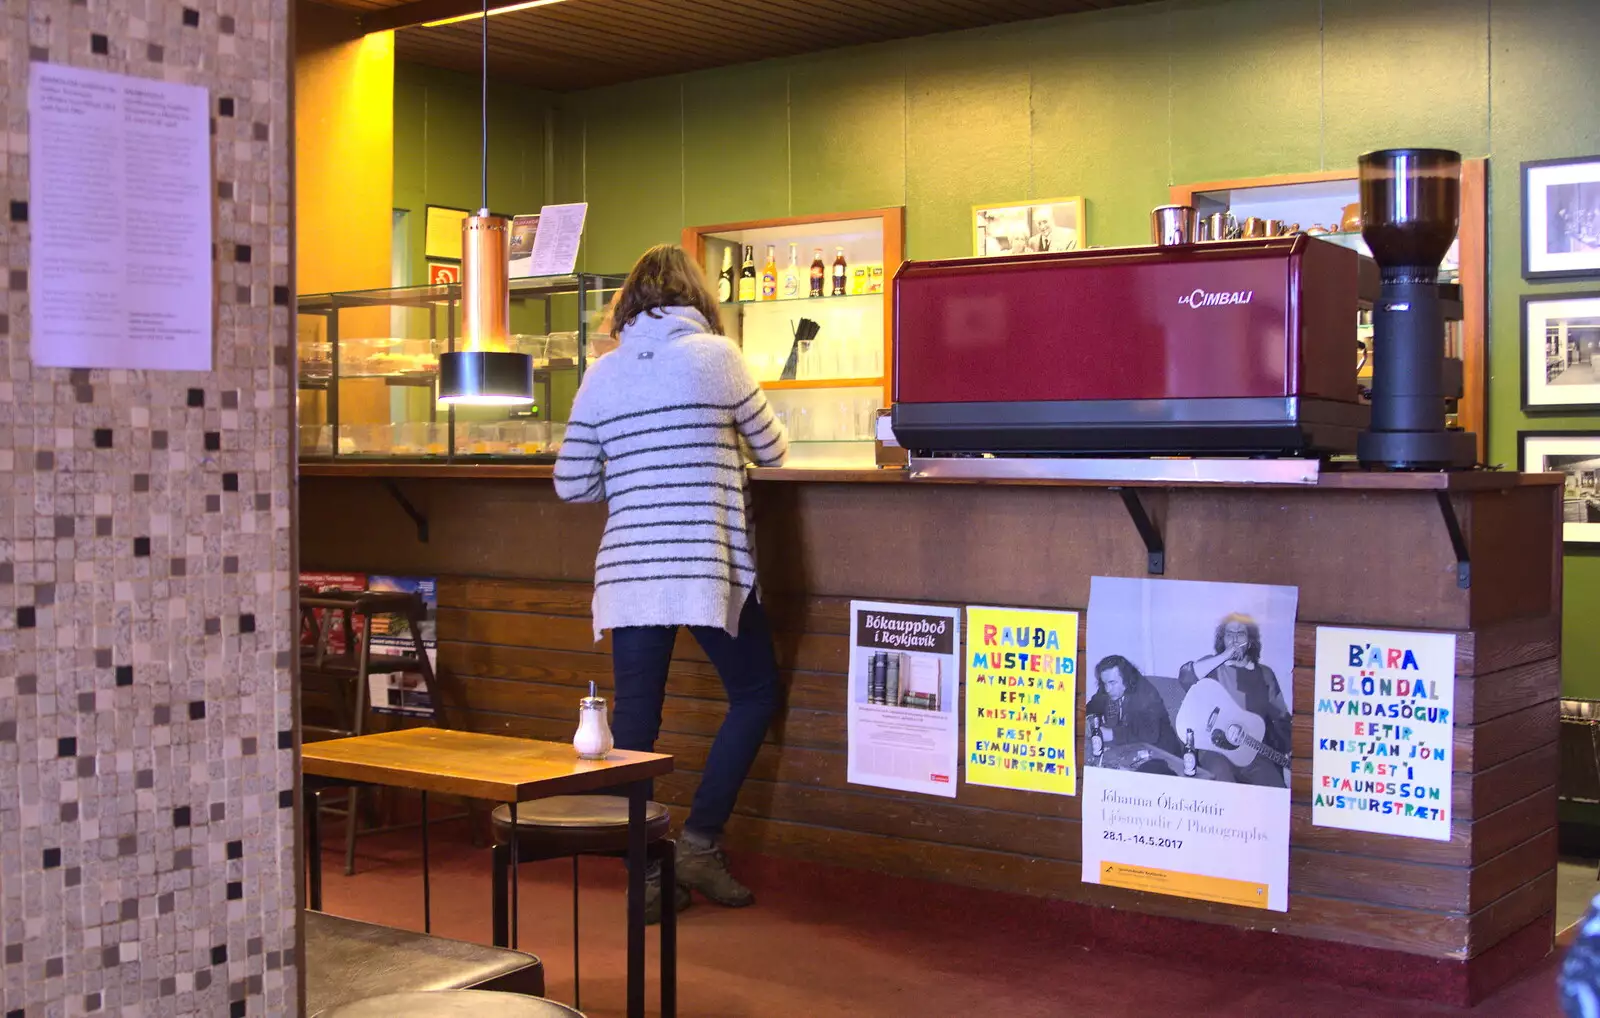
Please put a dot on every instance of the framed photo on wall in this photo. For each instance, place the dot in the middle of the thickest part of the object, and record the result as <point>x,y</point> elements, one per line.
<point>442,233</point>
<point>1577,455</point>
<point>1561,218</point>
<point>1561,352</point>
<point>1052,224</point>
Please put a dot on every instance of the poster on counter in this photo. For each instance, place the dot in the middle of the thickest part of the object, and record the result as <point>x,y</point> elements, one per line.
<point>1384,726</point>
<point>1187,736</point>
<point>311,624</point>
<point>129,284</point>
<point>405,693</point>
<point>1022,699</point>
<point>903,720</point>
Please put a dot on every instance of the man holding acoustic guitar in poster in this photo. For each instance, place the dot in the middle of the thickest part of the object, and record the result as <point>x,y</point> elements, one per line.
<point>1235,709</point>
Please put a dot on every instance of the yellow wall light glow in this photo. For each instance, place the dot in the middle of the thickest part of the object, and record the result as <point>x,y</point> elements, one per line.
<point>527,5</point>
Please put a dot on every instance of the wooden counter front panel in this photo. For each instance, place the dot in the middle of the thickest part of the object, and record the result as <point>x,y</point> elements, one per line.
<point>516,652</point>
<point>522,653</point>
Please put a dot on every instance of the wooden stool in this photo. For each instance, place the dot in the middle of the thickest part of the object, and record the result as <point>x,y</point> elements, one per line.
<point>347,961</point>
<point>454,1004</point>
<point>575,825</point>
<point>357,663</point>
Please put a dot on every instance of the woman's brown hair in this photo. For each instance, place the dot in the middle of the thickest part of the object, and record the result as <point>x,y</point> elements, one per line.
<point>665,277</point>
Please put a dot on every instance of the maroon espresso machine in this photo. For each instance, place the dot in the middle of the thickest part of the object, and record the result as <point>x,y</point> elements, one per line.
<point>1243,348</point>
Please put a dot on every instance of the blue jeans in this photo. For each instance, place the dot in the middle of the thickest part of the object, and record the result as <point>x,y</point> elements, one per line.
<point>748,667</point>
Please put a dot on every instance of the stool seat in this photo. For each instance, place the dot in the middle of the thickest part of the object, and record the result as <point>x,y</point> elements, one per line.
<point>563,825</point>
<point>347,961</point>
<point>454,1004</point>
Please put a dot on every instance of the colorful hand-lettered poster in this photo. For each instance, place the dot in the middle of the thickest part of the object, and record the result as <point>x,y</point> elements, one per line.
<point>903,727</point>
<point>1385,728</point>
<point>1189,702</point>
<point>1022,699</point>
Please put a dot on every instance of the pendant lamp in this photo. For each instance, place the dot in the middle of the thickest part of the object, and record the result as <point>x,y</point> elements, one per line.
<point>485,372</point>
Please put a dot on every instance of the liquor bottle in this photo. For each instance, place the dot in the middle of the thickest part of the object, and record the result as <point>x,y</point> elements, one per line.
<point>1097,744</point>
<point>725,283</point>
<point>819,274</point>
<point>769,275</point>
<point>841,273</point>
<point>747,275</point>
<point>1190,760</point>
<point>789,285</point>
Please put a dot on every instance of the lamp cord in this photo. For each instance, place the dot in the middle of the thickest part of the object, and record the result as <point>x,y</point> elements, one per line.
<point>484,98</point>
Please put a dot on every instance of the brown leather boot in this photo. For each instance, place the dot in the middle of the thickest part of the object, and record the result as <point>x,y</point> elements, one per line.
<point>703,867</point>
<point>652,897</point>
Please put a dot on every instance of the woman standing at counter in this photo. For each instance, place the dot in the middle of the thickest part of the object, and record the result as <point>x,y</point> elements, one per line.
<point>659,431</point>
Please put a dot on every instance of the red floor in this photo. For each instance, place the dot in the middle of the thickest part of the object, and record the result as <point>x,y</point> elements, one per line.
<point>803,951</point>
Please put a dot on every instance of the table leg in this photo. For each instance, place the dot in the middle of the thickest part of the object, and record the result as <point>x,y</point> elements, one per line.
<point>636,877</point>
<point>516,851</point>
<point>427,897</point>
<point>311,799</point>
<point>669,931</point>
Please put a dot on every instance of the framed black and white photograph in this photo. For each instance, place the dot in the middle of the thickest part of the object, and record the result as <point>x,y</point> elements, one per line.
<point>1561,218</point>
<point>1577,455</point>
<point>1052,224</point>
<point>1560,352</point>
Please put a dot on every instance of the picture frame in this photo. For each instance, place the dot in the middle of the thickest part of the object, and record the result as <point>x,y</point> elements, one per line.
<point>1576,454</point>
<point>1029,227</point>
<point>1560,352</point>
<point>1561,218</point>
<point>441,236</point>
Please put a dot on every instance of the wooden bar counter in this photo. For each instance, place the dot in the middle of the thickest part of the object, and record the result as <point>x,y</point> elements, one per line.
<point>1448,921</point>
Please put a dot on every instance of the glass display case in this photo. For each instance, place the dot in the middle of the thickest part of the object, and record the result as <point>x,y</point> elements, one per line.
<point>807,299</point>
<point>369,370</point>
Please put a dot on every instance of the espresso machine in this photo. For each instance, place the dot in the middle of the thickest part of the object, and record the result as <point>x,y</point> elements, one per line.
<point>1237,349</point>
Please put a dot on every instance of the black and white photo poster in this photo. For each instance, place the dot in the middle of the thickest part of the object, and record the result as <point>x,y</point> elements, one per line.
<point>1189,695</point>
<point>904,707</point>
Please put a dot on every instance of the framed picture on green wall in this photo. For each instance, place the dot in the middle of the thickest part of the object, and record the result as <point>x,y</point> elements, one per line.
<point>1577,455</point>
<point>1050,224</point>
<point>1561,352</point>
<point>1561,218</point>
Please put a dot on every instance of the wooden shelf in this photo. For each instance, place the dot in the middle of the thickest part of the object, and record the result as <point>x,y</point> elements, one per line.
<point>890,221</point>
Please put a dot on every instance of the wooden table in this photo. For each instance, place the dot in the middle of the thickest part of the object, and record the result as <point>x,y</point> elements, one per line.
<point>499,769</point>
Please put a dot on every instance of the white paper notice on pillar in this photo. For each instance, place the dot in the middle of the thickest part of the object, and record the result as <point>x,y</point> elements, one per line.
<point>1385,726</point>
<point>119,215</point>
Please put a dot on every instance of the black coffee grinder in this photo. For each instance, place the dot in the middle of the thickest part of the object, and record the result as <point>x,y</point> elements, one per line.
<point>1410,207</point>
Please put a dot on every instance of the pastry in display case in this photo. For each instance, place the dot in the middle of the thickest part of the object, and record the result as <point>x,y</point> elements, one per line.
<point>807,299</point>
<point>368,370</point>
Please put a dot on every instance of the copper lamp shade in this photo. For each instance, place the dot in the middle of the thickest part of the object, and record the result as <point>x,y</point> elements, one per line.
<point>484,372</point>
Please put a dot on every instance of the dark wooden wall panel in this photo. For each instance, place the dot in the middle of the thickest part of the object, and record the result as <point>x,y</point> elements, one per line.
<point>517,650</point>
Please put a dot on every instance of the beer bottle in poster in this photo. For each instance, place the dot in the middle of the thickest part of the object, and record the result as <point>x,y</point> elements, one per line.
<point>841,273</point>
<point>769,275</point>
<point>1190,759</point>
<point>725,285</point>
<point>747,275</point>
<point>1097,744</point>
<point>819,274</point>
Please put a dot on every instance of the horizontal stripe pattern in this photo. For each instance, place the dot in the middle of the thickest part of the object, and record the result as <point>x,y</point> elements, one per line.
<point>661,430</point>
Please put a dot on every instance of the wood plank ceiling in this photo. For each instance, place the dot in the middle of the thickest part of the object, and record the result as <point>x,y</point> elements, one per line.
<point>577,44</point>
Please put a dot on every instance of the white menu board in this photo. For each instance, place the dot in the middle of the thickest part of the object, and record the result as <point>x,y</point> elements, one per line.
<point>119,210</point>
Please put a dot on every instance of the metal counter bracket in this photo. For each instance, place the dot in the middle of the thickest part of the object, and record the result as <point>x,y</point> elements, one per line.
<point>410,510</point>
<point>1458,540</point>
<point>1155,549</point>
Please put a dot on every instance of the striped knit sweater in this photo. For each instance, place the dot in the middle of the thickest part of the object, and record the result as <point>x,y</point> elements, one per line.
<point>659,431</point>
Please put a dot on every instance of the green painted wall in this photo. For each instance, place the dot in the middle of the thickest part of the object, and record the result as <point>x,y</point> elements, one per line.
<point>437,147</point>
<point>1114,106</point>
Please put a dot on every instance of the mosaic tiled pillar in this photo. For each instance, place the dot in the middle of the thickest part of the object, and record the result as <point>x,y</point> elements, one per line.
<point>146,751</point>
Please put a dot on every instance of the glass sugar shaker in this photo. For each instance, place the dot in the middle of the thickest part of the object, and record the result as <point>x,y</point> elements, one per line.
<point>593,740</point>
